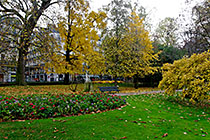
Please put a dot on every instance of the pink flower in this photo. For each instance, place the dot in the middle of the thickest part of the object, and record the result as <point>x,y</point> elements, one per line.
<point>42,108</point>
<point>31,104</point>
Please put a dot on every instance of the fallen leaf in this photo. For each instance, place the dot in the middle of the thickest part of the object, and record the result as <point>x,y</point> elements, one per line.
<point>164,135</point>
<point>123,138</point>
<point>5,137</point>
<point>204,132</point>
<point>55,131</point>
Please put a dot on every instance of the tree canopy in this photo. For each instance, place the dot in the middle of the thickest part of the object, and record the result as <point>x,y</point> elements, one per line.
<point>133,52</point>
<point>78,30</point>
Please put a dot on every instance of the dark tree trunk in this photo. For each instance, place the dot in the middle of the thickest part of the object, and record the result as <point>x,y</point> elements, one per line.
<point>135,81</point>
<point>66,79</point>
<point>115,80</point>
<point>68,42</point>
<point>20,73</point>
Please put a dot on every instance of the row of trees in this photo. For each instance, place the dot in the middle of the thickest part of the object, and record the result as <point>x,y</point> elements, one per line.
<point>126,48</point>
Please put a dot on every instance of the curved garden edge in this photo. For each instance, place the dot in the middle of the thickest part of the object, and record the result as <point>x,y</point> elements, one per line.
<point>53,106</point>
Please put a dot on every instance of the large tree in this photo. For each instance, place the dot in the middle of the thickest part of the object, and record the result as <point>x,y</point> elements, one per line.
<point>134,52</point>
<point>127,48</point>
<point>25,15</point>
<point>118,12</point>
<point>78,30</point>
<point>197,36</point>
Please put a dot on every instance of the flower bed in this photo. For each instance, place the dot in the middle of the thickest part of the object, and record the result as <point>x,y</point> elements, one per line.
<point>48,106</point>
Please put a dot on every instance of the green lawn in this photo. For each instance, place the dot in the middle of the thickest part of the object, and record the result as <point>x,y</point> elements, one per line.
<point>146,117</point>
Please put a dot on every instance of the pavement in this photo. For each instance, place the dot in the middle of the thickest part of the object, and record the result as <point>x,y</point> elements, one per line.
<point>144,92</point>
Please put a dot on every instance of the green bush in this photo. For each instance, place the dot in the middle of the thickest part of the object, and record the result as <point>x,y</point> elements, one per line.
<point>192,75</point>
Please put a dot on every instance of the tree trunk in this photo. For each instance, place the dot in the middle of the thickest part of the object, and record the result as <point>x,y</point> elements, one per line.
<point>115,80</point>
<point>66,79</point>
<point>135,81</point>
<point>20,73</point>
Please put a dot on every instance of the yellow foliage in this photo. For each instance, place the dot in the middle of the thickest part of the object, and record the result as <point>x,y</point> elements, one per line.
<point>79,34</point>
<point>131,53</point>
<point>192,75</point>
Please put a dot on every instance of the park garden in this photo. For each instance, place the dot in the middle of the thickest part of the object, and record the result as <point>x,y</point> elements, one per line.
<point>164,92</point>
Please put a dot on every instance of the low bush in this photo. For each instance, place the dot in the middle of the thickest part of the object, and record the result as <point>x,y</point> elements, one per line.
<point>49,105</point>
<point>192,75</point>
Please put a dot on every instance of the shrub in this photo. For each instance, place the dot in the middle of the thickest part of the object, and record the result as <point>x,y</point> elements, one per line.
<point>48,106</point>
<point>192,75</point>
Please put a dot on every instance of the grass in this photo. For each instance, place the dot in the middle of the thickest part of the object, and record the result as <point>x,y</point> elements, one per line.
<point>146,117</point>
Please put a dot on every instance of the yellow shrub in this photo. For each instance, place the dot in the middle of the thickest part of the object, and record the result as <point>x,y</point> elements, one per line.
<point>192,75</point>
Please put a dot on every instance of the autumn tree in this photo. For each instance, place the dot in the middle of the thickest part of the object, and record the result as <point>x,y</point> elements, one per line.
<point>118,17</point>
<point>135,52</point>
<point>126,44</point>
<point>25,16</point>
<point>78,30</point>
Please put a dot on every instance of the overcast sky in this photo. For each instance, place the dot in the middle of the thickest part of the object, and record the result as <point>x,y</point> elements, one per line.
<point>158,9</point>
